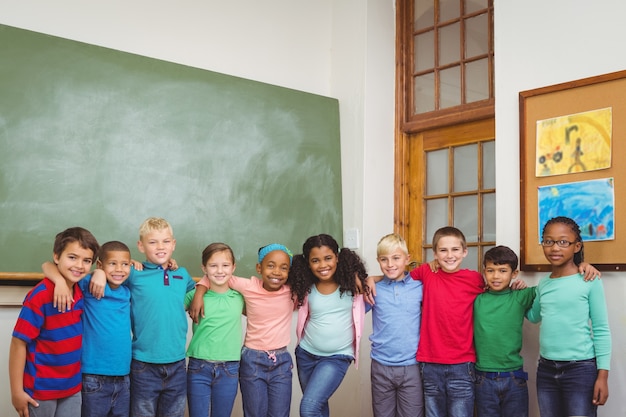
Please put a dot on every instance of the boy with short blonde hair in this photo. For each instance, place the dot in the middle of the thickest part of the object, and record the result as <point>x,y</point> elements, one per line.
<point>396,315</point>
<point>159,323</point>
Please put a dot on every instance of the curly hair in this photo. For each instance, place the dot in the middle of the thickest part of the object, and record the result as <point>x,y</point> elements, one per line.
<point>349,266</point>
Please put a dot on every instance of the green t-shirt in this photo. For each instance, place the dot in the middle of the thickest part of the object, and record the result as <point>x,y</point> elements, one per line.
<point>218,335</point>
<point>498,320</point>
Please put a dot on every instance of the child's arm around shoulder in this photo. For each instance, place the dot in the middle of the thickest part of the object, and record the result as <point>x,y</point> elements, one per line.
<point>588,271</point>
<point>17,361</point>
<point>196,307</point>
<point>63,295</point>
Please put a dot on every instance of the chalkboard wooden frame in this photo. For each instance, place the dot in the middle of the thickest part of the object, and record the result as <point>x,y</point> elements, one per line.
<point>103,139</point>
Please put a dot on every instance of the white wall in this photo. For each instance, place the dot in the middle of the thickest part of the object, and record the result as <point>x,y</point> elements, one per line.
<point>540,43</point>
<point>342,49</point>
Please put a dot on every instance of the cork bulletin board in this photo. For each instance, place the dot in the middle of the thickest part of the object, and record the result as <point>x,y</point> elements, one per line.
<point>572,149</point>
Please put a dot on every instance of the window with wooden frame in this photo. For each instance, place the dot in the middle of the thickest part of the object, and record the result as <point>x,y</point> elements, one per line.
<point>445,50</point>
<point>445,137</point>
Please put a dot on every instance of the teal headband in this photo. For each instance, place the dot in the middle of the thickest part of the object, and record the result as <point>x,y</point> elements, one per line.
<point>271,248</point>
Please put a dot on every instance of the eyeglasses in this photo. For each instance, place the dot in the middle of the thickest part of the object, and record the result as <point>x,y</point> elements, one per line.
<point>561,243</point>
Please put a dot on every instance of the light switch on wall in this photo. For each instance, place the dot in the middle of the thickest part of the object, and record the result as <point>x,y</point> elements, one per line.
<point>351,238</point>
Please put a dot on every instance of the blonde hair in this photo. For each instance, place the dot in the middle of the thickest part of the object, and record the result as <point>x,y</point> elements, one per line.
<point>390,243</point>
<point>154,223</point>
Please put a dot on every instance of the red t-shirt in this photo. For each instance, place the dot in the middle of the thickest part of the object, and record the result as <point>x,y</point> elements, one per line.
<point>447,332</point>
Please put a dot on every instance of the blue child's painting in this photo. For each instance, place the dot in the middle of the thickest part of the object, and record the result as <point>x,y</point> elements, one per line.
<point>590,203</point>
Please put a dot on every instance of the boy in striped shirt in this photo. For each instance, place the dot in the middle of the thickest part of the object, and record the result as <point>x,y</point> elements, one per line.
<point>45,351</point>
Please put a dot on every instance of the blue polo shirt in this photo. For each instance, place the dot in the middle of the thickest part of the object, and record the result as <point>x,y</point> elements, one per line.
<point>396,318</point>
<point>106,331</point>
<point>158,317</point>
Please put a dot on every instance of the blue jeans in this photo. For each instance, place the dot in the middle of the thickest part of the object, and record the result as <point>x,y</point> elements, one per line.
<point>501,394</point>
<point>448,389</point>
<point>106,396</point>
<point>265,382</point>
<point>319,376</point>
<point>158,389</point>
<point>211,387</point>
<point>565,388</point>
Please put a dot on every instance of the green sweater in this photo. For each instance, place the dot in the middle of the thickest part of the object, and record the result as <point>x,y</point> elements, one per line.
<point>574,320</point>
<point>498,320</point>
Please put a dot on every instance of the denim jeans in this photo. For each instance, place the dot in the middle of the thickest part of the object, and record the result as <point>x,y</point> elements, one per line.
<point>501,394</point>
<point>265,382</point>
<point>158,389</point>
<point>211,387</point>
<point>565,388</point>
<point>319,376</point>
<point>63,407</point>
<point>448,389</point>
<point>106,396</point>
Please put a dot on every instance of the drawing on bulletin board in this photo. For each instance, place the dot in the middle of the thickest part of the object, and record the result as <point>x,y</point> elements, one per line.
<point>574,143</point>
<point>590,203</point>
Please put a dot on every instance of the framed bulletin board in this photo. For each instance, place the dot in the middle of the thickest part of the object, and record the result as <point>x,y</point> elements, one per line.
<point>571,149</point>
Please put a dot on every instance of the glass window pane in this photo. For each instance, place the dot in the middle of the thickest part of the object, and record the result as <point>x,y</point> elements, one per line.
<point>427,255</point>
<point>465,218</point>
<point>489,217</point>
<point>436,216</point>
<point>424,93</point>
<point>424,14</point>
<point>471,260</point>
<point>475,5</point>
<point>449,9</point>
<point>466,168</point>
<point>476,36</point>
<point>424,51</point>
<point>489,164</point>
<point>450,44</point>
<point>437,172</point>
<point>450,88</point>
<point>477,80</point>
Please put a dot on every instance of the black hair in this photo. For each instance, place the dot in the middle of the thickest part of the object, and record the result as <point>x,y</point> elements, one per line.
<point>579,256</point>
<point>112,246</point>
<point>501,255</point>
<point>349,265</point>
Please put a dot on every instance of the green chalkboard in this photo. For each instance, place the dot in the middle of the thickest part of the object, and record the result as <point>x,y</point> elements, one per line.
<point>103,139</point>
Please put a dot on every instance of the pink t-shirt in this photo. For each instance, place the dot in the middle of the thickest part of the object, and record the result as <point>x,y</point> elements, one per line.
<point>447,332</point>
<point>269,313</point>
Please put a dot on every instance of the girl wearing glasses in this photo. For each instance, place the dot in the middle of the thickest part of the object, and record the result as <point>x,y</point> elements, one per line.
<point>574,337</point>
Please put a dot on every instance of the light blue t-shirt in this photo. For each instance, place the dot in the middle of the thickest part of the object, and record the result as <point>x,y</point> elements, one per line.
<point>159,320</point>
<point>106,331</point>
<point>329,329</point>
<point>396,318</point>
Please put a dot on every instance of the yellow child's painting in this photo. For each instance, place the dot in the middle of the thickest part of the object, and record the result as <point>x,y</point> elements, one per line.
<point>575,143</point>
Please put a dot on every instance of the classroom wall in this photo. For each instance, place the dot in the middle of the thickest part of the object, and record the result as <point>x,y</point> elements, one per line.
<point>539,43</point>
<point>345,49</point>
